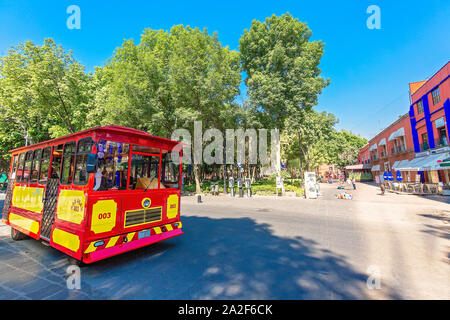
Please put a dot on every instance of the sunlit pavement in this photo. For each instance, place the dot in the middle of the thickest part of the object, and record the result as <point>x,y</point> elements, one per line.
<point>382,247</point>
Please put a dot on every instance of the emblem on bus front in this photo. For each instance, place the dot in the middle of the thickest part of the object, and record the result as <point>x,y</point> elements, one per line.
<point>146,202</point>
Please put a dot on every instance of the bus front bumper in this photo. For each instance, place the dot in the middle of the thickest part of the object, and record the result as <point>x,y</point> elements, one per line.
<point>93,254</point>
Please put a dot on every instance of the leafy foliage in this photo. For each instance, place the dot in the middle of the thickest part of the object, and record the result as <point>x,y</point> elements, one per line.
<point>167,81</point>
<point>173,78</point>
<point>282,67</point>
<point>44,93</point>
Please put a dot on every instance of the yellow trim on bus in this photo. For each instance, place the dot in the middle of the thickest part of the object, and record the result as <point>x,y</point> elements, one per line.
<point>25,223</point>
<point>28,198</point>
<point>172,206</point>
<point>103,217</point>
<point>71,206</point>
<point>66,239</point>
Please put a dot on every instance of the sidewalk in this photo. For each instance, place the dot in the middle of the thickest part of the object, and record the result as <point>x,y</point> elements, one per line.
<point>31,270</point>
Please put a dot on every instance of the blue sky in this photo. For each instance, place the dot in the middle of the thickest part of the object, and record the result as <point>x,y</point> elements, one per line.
<point>369,69</point>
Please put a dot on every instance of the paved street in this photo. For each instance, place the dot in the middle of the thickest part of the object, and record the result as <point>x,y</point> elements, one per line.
<point>262,248</point>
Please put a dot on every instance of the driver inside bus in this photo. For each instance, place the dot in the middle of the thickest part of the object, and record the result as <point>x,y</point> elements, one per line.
<point>101,181</point>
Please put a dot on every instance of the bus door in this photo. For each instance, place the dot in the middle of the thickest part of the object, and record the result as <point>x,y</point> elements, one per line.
<point>48,215</point>
<point>51,194</point>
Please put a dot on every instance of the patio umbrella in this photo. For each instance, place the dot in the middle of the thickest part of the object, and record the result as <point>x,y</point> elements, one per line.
<point>390,176</point>
<point>399,176</point>
<point>385,175</point>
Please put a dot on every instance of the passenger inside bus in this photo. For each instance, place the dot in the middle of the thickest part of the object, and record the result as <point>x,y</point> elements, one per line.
<point>102,183</point>
<point>112,166</point>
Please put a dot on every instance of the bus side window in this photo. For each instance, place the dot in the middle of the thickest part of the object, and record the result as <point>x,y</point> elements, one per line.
<point>27,167</point>
<point>56,161</point>
<point>83,149</point>
<point>12,176</point>
<point>19,174</point>
<point>68,163</point>
<point>170,171</point>
<point>35,165</point>
<point>45,164</point>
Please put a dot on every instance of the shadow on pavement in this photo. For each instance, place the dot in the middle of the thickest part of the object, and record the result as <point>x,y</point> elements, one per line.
<point>227,259</point>
<point>213,259</point>
<point>442,229</point>
<point>435,197</point>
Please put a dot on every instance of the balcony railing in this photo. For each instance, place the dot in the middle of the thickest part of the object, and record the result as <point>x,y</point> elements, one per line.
<point>398,149</point>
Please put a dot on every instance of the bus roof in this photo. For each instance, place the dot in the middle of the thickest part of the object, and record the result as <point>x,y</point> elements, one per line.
<point>111,128</point>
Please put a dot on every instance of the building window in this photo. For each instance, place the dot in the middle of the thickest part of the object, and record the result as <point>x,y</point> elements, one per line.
<point>420,106</point>
<point>424,142</point>
<point>442,141</point>
<point>436,96</point>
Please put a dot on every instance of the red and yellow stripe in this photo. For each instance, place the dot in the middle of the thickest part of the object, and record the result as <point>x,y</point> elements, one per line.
<point>129,237</point>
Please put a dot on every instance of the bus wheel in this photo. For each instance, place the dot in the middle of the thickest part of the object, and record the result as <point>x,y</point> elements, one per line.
<point>17,235</point>
<point>75,262</point>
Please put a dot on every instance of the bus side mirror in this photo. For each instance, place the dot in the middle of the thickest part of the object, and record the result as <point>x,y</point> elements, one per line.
<point>91,165</point>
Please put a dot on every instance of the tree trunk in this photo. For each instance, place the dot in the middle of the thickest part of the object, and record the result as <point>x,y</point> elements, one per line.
<point>253,173</point>
<point>197,178</point>
<point>307,158</point>
<point>300,155</point>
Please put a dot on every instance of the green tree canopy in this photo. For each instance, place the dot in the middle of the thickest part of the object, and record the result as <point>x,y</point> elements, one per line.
<point>44,93</point>
<point>167,81</point>
<point>282,67</point>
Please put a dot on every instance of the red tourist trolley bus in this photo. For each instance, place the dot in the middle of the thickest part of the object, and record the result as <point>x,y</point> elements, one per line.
<point>95,193</point>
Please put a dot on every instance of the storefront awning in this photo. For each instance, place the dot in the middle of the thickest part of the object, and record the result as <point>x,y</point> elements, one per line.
<point>426,163</point>
<point>373,147</point>
<point>433,162</point>
<point>361,166</point>
<point>376,168</point>
<point>382,142</point>
<point>397,134</point>
<point>411,165</point>
<point>445,163</point>
<point>398,165</point>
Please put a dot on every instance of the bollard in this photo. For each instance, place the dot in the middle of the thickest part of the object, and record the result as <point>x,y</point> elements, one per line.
<point>199,198</point>
<point>248,185</point>
<point>231,185</point>
<point>241,191</point>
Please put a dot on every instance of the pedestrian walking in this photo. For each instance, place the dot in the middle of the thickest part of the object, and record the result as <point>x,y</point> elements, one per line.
<point>382,189</point>
<point>354,183</point>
